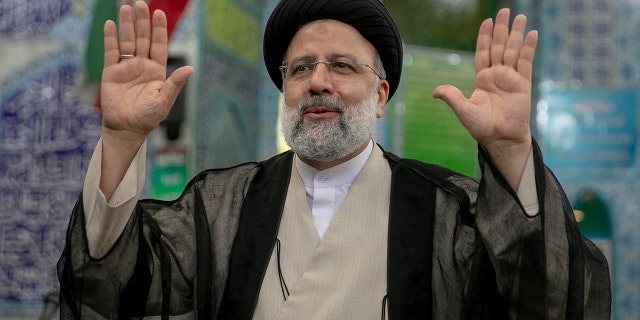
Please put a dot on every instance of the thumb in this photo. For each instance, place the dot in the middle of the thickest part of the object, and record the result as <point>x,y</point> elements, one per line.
<point>450,95</point>
<point>175,82</point>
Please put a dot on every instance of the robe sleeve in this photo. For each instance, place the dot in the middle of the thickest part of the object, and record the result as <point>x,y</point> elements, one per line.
<point>114,286</point>
<point>105,220</point>
<point>544,268</point>
<point>153,268</point>
<point>114,249</point>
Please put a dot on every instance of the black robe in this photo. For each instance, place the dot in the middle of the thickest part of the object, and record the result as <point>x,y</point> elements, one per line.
<point>457,249</point>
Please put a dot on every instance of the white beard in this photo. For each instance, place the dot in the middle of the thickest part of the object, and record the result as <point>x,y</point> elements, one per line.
<point>329,139</point>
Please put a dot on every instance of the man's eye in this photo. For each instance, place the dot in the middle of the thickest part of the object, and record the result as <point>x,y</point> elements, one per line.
<point>301,68</point>
<point>341,65</point>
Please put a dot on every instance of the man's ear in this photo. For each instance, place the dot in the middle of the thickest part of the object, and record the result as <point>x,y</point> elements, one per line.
<point>383,96</point>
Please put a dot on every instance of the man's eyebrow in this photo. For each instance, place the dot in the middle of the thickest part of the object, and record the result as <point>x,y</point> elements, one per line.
<point>307,58</point>
<point>310,58</point>
<point>341,55</point>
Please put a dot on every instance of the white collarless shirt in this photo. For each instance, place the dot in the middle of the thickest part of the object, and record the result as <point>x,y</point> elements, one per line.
<point>327,189</point>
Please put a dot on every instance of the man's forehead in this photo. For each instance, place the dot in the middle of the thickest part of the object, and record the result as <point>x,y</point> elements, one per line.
<point>328,38</point>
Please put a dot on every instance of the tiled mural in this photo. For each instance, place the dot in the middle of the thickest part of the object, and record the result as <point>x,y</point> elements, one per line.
<point>47,134</point>
<point>588,61</point>
<point>236,117</point>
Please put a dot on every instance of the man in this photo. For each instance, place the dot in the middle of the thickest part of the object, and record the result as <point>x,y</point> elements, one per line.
<point>338,228</point>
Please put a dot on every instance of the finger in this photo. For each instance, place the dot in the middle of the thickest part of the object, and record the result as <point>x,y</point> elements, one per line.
<point>500,36</point>
<point>142,29</point>
<point>525,62</point>
<point>111,49</point>
<point>126,35</point>
<point>159,40</point>
<point>483,46</point>
<point>175,82</point>
<point>451,96</point>
<point>514,44</point>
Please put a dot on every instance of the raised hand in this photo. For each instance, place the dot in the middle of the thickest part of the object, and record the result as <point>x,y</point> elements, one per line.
<point>135,96</point>
<point>135,92</point>
<point>497,113</point>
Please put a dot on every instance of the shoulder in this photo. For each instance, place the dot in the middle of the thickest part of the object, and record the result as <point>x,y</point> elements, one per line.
<point>437,174</point>
<point>458,187</point>
<point>245,172</point>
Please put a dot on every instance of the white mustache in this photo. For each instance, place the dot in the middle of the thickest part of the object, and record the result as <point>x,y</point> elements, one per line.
<point>324,100</point>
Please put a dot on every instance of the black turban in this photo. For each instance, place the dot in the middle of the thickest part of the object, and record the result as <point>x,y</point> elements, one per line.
<point>369,17</point>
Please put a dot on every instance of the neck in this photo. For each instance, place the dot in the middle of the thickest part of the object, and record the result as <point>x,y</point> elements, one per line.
<point>323,165</point>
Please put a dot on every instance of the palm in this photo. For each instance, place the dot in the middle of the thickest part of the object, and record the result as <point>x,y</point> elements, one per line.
<point>131,95</point>
<point>499,107</point>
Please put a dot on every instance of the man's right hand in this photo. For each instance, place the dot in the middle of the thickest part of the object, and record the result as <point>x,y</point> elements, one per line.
<point>136,95</point>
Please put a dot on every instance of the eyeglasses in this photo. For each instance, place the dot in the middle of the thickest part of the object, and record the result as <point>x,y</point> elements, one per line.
<point>341,69</point>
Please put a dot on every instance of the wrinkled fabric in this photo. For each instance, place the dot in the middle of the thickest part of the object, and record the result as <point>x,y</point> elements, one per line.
<point>457,250</point>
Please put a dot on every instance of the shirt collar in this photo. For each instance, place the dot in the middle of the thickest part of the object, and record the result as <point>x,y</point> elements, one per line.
<point>335,176</point>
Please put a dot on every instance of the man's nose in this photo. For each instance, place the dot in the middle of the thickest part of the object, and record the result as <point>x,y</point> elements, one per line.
<point>320,80</point>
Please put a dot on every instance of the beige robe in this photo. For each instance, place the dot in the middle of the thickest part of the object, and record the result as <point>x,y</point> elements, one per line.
<point>346,265</point>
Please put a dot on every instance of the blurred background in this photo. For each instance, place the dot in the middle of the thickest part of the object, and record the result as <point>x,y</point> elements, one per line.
<point>585,117</point>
